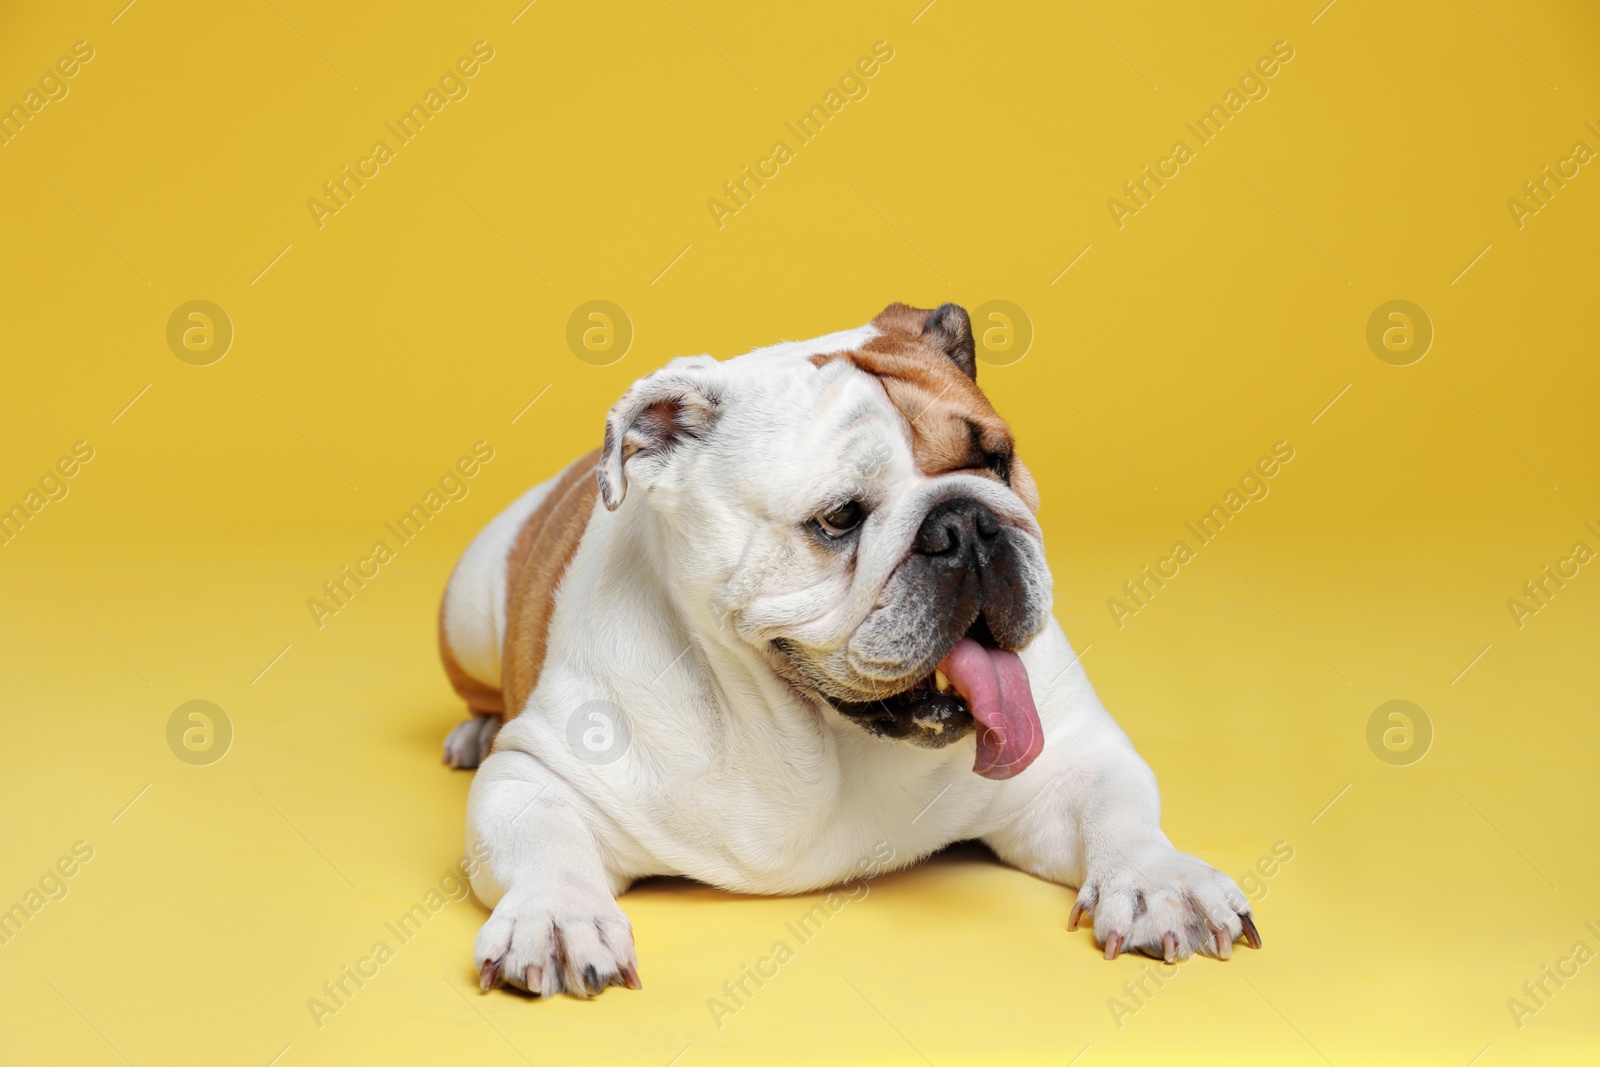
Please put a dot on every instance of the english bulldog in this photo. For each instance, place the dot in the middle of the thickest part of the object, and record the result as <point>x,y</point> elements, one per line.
<point>791,618</point>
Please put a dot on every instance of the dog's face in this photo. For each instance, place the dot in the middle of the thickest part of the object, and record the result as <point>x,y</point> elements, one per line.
<point>854,509</point>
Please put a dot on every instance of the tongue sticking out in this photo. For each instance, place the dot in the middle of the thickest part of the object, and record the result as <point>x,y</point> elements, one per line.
<point>995,686</point>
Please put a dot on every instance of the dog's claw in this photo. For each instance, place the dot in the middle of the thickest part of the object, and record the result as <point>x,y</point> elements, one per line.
<point>1113,946</point>
<point>1224,944</point>
<point>581,946</point>
<point>1169,947</point>
<point>1251,936</point>
<point>1077,913</point>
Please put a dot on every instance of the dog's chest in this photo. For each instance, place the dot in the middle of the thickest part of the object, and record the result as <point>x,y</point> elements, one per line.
<point>766,818</point>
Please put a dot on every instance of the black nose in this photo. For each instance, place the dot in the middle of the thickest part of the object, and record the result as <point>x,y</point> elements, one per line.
<point>959,533</point>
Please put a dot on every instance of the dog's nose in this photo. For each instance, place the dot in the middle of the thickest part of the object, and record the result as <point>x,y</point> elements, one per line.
<point>959,533</point>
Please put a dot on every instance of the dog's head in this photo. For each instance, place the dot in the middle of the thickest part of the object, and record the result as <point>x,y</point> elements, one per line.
<point>853,508</point>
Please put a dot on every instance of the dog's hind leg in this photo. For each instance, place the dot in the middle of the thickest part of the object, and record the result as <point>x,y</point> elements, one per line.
<point>468,744</point>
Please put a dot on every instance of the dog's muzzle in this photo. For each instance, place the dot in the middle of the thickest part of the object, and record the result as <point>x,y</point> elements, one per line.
<point>959,603</point>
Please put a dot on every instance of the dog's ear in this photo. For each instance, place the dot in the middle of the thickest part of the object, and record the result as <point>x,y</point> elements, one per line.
<point>658,413</point>
<point>947,330</point>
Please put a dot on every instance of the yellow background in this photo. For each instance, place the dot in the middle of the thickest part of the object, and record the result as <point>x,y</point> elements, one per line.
<point>426,315</point>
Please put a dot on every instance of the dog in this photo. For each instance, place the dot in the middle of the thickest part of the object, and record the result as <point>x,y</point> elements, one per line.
<point>793,617</point>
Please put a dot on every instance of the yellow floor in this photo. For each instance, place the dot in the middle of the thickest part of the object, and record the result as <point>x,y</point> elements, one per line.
<point>178,911</point>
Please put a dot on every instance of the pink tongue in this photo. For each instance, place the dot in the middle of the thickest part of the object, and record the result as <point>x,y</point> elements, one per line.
<point>995,686</point>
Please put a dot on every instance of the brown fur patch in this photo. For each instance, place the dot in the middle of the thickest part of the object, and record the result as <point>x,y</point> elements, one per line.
<point>534,568</point>
<point>953,425</point>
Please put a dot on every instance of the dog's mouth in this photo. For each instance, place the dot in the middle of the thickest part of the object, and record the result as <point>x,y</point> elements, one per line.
<point>976,686</point>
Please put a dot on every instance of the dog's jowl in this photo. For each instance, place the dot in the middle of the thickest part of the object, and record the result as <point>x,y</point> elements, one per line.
<point>794,610</point>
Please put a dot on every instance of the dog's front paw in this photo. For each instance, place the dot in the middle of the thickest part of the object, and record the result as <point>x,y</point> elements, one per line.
<point>560,942</point>
<point>1165,904</point>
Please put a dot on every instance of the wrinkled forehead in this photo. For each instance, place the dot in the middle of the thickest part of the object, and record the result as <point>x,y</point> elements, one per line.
<point>799,429</point>
<point>832,422</point>
<point>950,424</point>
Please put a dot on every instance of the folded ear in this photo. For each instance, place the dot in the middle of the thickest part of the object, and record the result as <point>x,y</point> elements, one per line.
<point>658,413</point>
<point>947,330</point>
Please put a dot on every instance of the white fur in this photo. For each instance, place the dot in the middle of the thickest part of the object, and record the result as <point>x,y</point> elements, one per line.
<point>731,775</point>
<point>826,345</point>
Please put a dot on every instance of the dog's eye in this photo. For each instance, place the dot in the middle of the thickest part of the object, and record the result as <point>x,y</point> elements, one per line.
<point>1000,463</point>
<point>840,520</point>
